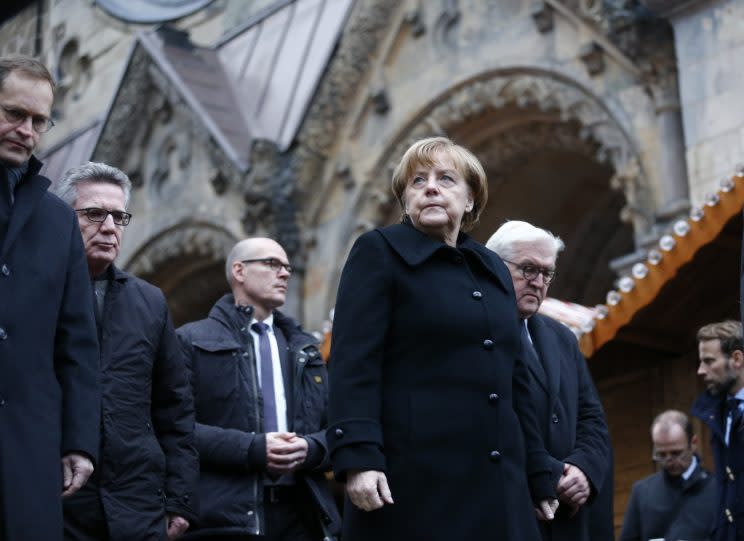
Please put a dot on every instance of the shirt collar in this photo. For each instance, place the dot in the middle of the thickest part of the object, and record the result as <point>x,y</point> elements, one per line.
<point>688,472</point>
<point>269,321</point>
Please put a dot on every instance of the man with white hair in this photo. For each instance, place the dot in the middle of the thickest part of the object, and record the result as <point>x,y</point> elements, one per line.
<point>573,425</point>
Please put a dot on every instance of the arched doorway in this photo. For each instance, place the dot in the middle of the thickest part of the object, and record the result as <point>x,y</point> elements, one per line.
<point>188,263</point>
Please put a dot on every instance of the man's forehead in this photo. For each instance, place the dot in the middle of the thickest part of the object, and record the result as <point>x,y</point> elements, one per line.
<point>260,249</point>
<point>710,347</point>
<point>29,92</point>
<point>537,251</point>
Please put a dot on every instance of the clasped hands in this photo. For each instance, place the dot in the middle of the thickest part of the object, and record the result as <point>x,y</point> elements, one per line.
<point>285,452</point>
<point>573,490</point>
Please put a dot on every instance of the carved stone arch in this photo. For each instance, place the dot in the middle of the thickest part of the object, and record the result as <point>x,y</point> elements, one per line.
<point>534,94</point>
<point>187,262</point>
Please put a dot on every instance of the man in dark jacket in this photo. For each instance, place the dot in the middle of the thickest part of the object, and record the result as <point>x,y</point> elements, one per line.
<point>678,502</point>
<point>720,407</point>
<point>574,429</point>
<point>261,392</point>
<point>49,398</point>
<point>144,489</point>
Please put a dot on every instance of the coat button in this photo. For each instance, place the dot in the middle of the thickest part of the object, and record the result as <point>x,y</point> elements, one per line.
<point>495,456</point>
<point>488,344</point>
<point>5,270</point>
<point>493,398</point>
<point>477,295</point>
<point>339,433</point>
<point>3,334</point>
<point>2,402</point>
<point>554,418</point>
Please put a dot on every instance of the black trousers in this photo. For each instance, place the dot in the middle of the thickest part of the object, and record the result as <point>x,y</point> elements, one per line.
<point>289,516</point>
<point>85,519</point>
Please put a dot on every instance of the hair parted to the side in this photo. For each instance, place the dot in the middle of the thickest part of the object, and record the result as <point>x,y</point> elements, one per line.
<point>666,419</point>
<point>728,332</point>
<point>66,188</point>
<point>515,231</point>
<point>424,153</point>
<point>27,65</point>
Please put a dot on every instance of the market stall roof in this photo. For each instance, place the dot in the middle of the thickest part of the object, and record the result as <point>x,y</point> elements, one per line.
<point>689,279</point>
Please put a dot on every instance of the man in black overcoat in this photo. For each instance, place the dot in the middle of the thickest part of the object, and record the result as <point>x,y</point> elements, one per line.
<point>144,488</point>
<point>721,408</point>
<point>573,424</point>
<point>677,502</point>
<point>49,398</point>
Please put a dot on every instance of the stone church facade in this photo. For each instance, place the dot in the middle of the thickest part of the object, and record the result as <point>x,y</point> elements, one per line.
<point>603,121</point>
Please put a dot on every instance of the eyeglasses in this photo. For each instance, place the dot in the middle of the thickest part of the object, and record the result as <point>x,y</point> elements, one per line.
<point>94,214</point>
<point>272,262</point>
<point>14,115</point>
<point>530,272</point>
<point>667,456</point>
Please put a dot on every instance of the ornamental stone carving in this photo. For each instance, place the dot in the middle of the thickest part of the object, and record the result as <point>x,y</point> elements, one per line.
<point>192,240</point>
<point>362,35</point>
<point>543,91</point>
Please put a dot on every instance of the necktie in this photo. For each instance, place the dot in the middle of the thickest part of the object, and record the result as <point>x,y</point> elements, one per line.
<point>530,355</point>
<point>267,377</point>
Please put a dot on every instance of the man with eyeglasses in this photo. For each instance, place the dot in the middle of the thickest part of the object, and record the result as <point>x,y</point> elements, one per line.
<point>573,425</point>
<point>145,486</point>
<point>261,392</point>
<point>721,407</point>
<point>49,398</point>
<point>678,502</point>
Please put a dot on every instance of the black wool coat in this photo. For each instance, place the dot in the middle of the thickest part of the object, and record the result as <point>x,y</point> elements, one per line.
<point>428,386</point>
<point>229,429</point>
<point>661,506</point>
<point>148,459</point>
<point>49,398</point>
<point>728,523</point>
<point>573,425</point>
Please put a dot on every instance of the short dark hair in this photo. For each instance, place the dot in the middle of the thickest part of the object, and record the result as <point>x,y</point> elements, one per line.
<point>27,65</point>
<point>728,332</point>
<point>673,417</point>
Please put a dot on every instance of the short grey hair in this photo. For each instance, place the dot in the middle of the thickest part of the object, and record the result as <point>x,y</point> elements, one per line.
<point>515,231</point>
<point>66,189</point>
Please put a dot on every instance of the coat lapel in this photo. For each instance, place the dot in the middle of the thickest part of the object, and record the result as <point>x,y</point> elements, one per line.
<point>27,196</point>
<point>548,350</point>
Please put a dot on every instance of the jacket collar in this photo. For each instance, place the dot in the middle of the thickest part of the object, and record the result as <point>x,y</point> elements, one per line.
<point>415,247</point>
<point>225,311</point>
<point>29,191</point>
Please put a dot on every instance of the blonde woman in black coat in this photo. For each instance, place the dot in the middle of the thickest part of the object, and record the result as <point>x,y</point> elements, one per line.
<point>430,424</point>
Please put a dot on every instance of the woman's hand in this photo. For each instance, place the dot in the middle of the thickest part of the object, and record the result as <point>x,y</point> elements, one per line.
<point>546,510</point>
<point>368,490</point>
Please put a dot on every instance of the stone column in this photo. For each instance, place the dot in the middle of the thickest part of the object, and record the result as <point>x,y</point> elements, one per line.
<point>674,187</point>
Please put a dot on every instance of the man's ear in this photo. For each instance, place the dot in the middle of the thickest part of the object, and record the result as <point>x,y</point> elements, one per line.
<point>737,359</point>
<point>236,271</point>
<point>694,442</point>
